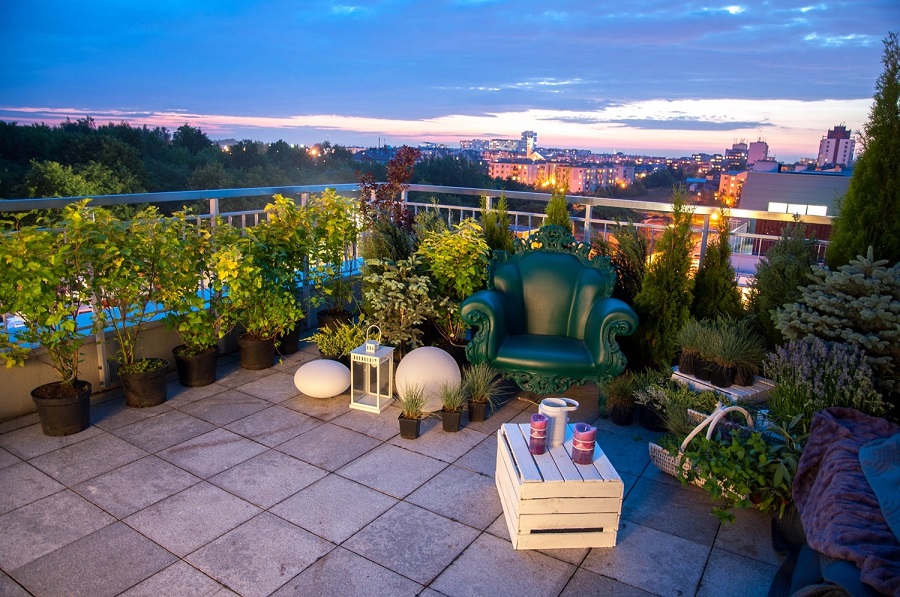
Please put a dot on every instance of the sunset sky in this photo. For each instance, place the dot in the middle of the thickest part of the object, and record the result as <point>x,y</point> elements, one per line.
<point>647,76</point>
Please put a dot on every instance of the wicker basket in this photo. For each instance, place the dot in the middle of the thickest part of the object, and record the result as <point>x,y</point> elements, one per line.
<point>669,464</point>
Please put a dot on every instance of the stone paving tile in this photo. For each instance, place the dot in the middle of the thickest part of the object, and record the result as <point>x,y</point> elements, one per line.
<point>411,541</point>
<point>342,573</point>
<point>180,395</point>
<point>135,486</point>
<point>46,525</point>
<point>273,426</point>
<point>334,508</point>
<point>651,560</point>
<point>179,579</point>
<point>225,407</point>
<point>211,453</point>
<point>629,481</point>
<point>392,470</point>
<point>21,484</point>
<point>113,414</point>
<point>525,572</point>
<point>267,479</point>
<point>329,447</point>
<point>85,460</point>
<point>29,442</point>
<point>274,388</point>
<point>232,375</point>
<point>83,567</point>
<point>259,556</point>
<point>495,418</point>
<point>482,458</point>
<point>750,536</point>
<point>325,409</point>
<point>735,576</point>
<point>163,431</point>
<point>10,588</point>
<point>439,444</point>
<point>460,495</point>
<point>681,511</point>
<point>381,426</point>
<point>19,422</point>
<point>586,584</point>
<point>8,459</point>
<point>628,454</point>
<point>188,520</point>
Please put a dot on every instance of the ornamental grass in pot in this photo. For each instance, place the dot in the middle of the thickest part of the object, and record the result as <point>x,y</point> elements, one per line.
<point>54,253</point>
<point>453,399</point>
<point>618,394</point>
<point>482,386</point>
<point>411,400</point>
<point>691,338</point>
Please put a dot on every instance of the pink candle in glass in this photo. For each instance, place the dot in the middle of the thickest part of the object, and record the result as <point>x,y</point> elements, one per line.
<point>583,441</point>
<point>538,441</point>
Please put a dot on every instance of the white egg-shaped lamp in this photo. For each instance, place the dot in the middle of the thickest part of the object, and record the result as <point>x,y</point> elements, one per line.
<point>322,378</point>
<point>428,367</point>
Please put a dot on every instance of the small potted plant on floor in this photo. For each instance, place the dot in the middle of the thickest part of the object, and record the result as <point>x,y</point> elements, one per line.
<point>482,386</point>
<point>337,342</point>
<point>619,394</point>
<point>453,398</point>
<point>411,400</point>
<point>43,269</point>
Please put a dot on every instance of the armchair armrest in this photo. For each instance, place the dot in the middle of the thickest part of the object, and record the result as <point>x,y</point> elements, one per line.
<point>608,318</point>
<point>485,310</point>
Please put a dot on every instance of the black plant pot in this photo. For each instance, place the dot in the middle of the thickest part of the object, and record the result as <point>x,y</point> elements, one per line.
<point>63,412</point>
<point>702,369</point>
<point>289,342</point>
<point>744,377</point>
<point>409,428</point>
<point>450,421</point>
<point>787,531</point>
<point>477,411</point>
<point>722,377</point>
<point>651,419</point>
<point>195,370</point>
<point>256,353</point>
<point>686,363</point>
<point>145,389</point>
<point>330,318</point>
<point>621,416</point>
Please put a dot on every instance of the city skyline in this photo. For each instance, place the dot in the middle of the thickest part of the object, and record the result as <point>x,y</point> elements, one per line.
<point>653,78</point>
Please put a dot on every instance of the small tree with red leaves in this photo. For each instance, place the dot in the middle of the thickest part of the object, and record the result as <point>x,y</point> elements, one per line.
<point>381,199</point>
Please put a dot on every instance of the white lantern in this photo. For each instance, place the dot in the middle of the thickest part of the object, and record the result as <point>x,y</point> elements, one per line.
<point>371,375</point>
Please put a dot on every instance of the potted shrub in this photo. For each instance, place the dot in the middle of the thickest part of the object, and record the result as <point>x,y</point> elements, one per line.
<point>127,263</point>
<point>334,222</point>
<point>411,400</point>
<point>708,346</point>
<point>453,398</point>
<point>48,301</point>
<point>482,386</point>
<point>255,286</point>
<point>619,395</point>
<point>193,297</point>
<point>652,403</point>
<point>336,343</point>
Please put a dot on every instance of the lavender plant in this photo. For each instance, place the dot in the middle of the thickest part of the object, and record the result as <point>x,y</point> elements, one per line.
<point>813,375</point>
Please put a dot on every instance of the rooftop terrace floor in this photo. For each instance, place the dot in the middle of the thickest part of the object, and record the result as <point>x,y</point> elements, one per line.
<point>248,487</point>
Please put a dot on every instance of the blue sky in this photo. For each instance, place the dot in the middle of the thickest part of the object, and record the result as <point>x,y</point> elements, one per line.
<point>664,78</point>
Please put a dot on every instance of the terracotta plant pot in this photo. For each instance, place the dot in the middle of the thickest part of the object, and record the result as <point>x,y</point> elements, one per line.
<point>409,428</point>
<point>256,353</point>
<point>147,388</point>
<point>62,410</point>
<point>195,370</point>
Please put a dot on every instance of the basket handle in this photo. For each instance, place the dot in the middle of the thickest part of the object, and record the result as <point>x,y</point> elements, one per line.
<point>713,420</point>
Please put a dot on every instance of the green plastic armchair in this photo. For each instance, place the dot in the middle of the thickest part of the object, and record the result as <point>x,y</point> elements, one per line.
<point>547,319</point>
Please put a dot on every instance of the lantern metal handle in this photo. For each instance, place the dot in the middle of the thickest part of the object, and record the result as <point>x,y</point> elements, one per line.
<point>372,345</point>
<point>370,329</point>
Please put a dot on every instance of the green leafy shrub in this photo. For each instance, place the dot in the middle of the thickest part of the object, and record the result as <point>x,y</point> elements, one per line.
<point>340,340</point>
<point>858,304</point>
<point>715,290</point>
<point>495,222</point>
<point>557,209</point>
<point>399,296</point>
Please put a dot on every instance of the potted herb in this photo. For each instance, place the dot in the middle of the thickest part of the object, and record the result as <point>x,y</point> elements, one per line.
<point>48,300</point>
<point>482,386</point>
<point>619,395</point>
<point>453,398</point>
<point>337,342</point>
<point>192,294</point>
<point>334,222</point>
<point>411,400</point>
<point>127,261</point>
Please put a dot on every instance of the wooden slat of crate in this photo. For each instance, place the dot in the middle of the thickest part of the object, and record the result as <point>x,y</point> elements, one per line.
<point>757,393</point>
<point>550,502</point>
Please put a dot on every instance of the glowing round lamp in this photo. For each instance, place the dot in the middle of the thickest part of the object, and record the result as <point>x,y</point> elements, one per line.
<point>428,367</point>
<point>322,378</point>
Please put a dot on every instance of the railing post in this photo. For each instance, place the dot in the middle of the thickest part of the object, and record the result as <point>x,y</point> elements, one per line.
<point>213,210</point>
<point>704,238</point>
<point>587,222</point>
<point>404,196</point>
<point>304,199</point>
<point>103,372</point>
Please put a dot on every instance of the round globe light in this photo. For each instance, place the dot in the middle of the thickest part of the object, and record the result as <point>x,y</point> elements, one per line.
<point>322,378</point>
<point>429,367</point>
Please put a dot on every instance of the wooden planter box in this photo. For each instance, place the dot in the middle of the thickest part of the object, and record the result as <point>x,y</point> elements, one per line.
<point>757,393</point>
<point>549,502</point>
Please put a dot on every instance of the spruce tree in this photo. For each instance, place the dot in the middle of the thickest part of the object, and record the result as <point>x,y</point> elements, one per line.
<point>715,289</point>
<point>495,223</point>
<point>558,208</point>
<point>869,214</point>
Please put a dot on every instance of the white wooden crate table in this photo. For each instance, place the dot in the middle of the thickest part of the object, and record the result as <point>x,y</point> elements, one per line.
<point>549,502</point>
<point>757,393</point>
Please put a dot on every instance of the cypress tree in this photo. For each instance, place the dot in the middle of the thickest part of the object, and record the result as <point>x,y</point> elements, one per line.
<point>558,208</point>
<point>715,289</point>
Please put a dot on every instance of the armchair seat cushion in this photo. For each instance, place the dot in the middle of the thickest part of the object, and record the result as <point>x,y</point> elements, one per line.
<point>546,354</point>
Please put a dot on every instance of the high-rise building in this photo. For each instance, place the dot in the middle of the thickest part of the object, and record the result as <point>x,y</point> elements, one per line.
<point>836,148</point>
<point>736,157</point>
<point>759,150</point>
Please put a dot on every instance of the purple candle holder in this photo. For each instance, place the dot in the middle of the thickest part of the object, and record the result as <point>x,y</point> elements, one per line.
<point>583,441</point>
<point>538,442</point>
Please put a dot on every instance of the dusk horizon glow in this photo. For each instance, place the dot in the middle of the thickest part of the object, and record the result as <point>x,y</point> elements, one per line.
<point>652,79</point>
